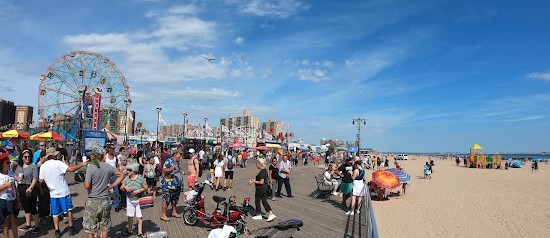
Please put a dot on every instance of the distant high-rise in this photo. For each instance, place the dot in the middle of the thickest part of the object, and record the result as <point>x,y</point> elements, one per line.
<point>23,117</point>
<point>7,114</point>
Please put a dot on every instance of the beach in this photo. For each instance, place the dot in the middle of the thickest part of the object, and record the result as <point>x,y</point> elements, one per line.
<point>463,202</point>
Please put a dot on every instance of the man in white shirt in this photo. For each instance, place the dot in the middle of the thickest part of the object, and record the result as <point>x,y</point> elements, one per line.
<point>285,168</point>
<point>52,172</point>
<point>201,162</point>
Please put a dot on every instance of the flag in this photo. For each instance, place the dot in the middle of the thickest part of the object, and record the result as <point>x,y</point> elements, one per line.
<point>208,130</point>
<point>225,129</point>
<point>287,124</point>
<point>161,119</point>
<point>129,116</point>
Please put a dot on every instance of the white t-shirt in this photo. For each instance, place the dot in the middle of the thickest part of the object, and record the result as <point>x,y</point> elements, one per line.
<point>285,166</point>
<point>327,176</point>
<point>7,194</point>
<point>201,154</point>
<point>53,173</point>
<point>157,160</point>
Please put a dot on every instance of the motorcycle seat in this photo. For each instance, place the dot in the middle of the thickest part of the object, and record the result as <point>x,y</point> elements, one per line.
<point>289,224</point>
<point>218,199</point>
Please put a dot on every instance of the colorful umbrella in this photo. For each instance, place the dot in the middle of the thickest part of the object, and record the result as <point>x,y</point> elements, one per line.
<point>385,179</point>
<point>50,135</point>
<point>352,149</point>
<point>15,134</point>
<point>403,177</point>
<point>262,147</point>
<point>236,145</point>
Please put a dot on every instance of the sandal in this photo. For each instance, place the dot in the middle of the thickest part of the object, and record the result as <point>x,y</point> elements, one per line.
<point>176,215</point>
<point>165,219</point>
<point>128,233</point>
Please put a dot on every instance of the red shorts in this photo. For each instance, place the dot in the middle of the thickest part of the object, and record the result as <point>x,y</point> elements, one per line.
<point>191,181</point>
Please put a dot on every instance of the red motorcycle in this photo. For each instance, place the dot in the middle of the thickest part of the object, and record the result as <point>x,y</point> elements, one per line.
<point>226,213</point>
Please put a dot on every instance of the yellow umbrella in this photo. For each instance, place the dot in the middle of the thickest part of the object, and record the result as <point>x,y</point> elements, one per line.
<point>15,134</point>
<point>50,135</point>
<point>273,145</point>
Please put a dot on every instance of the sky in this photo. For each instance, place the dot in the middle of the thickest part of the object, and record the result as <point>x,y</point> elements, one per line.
<point>428,76</point>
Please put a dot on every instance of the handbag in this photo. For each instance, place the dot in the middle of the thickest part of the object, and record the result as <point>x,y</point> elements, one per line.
<point>269,191</point>
<point>147,201</point>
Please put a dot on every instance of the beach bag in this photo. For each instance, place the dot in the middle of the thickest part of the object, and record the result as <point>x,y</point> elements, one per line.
<point>79,176</point>
<point>230,164</point>
<point>147,201</point>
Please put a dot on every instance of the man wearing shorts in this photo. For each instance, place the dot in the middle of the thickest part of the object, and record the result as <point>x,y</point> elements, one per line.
<point>344,172</point>
<point>192,169</point>
<point>52,172</point>
<point>229,172</point>
<point>171,184</point>
<point>97,210</point>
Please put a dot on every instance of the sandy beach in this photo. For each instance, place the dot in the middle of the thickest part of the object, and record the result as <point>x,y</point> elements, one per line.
<point>462,202</point>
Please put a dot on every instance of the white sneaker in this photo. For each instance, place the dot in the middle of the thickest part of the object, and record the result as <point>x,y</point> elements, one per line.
<point>349,213</point>
<point>335,193</point>
<point>358,211</point>
<point>257,217</point>
<point>271,217</point>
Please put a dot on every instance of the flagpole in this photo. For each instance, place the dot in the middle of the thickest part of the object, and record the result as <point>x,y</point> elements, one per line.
<point>158,119</point>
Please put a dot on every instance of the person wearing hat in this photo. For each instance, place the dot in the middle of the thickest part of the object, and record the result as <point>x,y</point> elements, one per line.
<point>97,208</point>
<point>9,199</point>
<point>193,169</point>
<point>134,184</point>
<point>52,172</point>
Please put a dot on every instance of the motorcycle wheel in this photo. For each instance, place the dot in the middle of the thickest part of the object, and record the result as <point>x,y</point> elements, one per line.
<point>190,217</point>
<point>240,226</point>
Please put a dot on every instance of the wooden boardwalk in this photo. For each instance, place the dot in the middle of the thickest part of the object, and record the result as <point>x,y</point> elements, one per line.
<point>322,217</point>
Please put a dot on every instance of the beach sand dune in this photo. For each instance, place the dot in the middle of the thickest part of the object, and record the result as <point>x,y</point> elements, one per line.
<point>462,202</point>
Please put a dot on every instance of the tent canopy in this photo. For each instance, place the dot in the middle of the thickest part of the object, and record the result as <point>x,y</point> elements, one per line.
<point>476,147</point>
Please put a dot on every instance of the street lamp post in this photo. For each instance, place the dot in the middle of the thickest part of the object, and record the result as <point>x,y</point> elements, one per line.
<point>158,118</point>
<point>127,102</point>
<point>359,120</point>
<point>204,133</point>
<point>184,124</point>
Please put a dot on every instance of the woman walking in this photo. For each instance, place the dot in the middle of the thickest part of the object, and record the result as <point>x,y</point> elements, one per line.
<point>260,183</point>
<point>427,171</point>
<point>9,200</point>
<point>134,184</point>
<point>26,174</point>
<point>273,179</point>
<point>150,177</point>
<point>358,176</point>
<point>219,167</point>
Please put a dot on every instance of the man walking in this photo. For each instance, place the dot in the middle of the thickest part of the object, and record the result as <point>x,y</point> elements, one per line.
<point>52,172</point>
<point>192,169</point>
<point>97,210</point>
<point>229,162</point>
<point>171,183</point>
<point>285,168</point>
<point>344,171</point>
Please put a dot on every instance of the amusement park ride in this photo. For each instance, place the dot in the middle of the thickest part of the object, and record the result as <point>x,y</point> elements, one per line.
<point>85,91</point>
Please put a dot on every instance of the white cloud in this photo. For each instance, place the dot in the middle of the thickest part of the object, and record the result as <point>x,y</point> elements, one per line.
<point>314,75</point>
<point>239,40</point>
<point>273,8</point>
<point>542,76</point>
<point>187,9</point>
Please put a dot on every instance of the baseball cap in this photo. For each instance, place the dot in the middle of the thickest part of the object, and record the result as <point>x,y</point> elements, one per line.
<point>51,151</point>
<point>191,150</point>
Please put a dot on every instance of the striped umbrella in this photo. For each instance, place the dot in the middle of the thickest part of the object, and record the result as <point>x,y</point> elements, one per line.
<point>15,134</point>
<point>385,179</point>
<point>403,177</point>
<point>50,135</point>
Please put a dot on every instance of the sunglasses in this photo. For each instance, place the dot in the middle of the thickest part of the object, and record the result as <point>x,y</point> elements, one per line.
<point>42,145</point>
<point>26,156</point>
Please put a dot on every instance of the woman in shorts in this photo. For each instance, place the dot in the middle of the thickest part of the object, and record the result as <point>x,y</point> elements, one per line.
<point>134,184</point>
<point>219,167</point>
<point>9,201</point>
<point>149,174</point>
<point>358,192</point>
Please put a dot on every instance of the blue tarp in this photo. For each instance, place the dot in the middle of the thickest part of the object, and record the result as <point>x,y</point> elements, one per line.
<point>352,149</point>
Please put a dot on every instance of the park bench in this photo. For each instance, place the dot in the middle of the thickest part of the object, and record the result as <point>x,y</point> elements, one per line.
<point>323,190</point>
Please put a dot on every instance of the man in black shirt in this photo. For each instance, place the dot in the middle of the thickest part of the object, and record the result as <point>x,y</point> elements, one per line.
<point>346,188</point>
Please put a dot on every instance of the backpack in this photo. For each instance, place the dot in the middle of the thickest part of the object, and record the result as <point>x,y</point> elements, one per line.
<point>229,163</point>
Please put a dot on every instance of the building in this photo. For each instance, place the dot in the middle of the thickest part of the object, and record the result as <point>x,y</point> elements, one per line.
<point>122,120</point>
<point>23,117</point>
<point>7,114</point>
<point>277,126</point>
<point>171,130</point>
<point>333,142</point>
<point>244,121</point>
<point>195,131</point>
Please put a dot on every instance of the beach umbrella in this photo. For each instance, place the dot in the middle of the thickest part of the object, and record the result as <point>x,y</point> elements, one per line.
<point>15,134</point>
<point>403,177</point>
<point>262,147</point>
<point>352,149</point>
<point>50,135</point>
<point>236,145</point>
<point>385,179</point>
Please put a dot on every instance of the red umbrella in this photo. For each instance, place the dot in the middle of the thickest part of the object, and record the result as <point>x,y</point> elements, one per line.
<point>50,135</point>
<point>237,145</point>
<point>385,179</point>
<point>262,147</point>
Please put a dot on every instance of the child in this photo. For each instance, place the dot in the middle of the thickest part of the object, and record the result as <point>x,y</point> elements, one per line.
<point>149,174</point>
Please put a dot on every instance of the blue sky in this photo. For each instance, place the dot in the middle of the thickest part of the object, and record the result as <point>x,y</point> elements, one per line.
<point>431,76</point>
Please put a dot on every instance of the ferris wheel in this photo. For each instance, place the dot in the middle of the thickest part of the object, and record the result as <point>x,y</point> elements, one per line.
<point>70,86</point>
